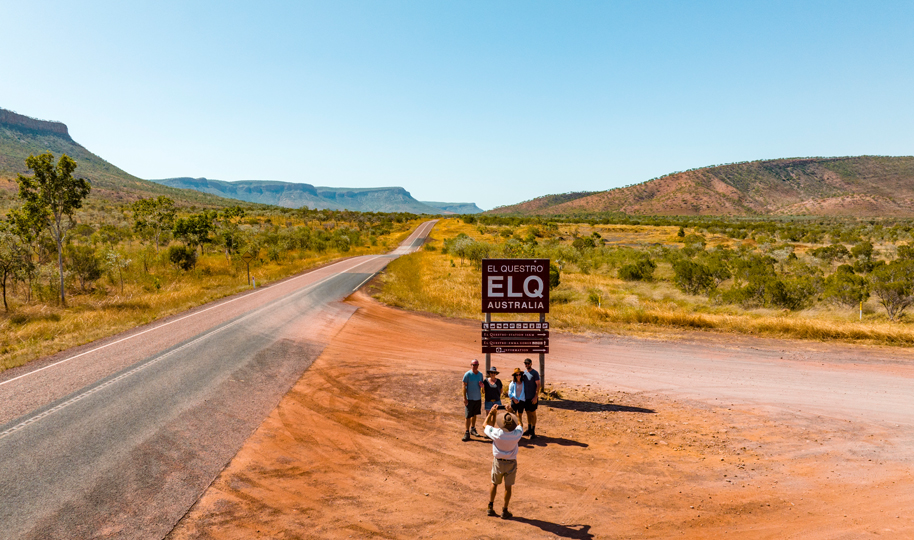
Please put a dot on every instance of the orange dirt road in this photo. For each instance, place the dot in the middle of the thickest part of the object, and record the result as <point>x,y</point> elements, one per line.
<point>367,445</point>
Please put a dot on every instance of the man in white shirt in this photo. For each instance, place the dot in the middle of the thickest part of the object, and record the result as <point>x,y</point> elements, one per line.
<point>504,449</point>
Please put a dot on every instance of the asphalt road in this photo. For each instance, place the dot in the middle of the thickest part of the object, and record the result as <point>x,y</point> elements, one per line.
<point>117,439</point>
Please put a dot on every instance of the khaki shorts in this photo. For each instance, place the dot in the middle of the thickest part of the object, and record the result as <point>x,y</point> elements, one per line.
<point>504,469</point>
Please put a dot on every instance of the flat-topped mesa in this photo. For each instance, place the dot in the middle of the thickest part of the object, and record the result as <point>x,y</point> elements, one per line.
<point>15,120</point>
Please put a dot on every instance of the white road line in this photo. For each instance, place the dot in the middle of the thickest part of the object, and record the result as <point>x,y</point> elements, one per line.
<point>359,286</point>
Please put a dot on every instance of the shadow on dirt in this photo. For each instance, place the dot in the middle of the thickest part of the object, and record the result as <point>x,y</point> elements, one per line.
<point>580,532</point>
<point>544,440</point>
<point>590,406</point>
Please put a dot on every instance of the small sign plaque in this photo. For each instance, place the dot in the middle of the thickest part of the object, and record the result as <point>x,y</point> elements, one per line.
<point>515,350</point>
<point>515,326</point>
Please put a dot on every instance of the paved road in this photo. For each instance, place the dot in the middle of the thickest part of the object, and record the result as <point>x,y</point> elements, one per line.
<point>119,438</point>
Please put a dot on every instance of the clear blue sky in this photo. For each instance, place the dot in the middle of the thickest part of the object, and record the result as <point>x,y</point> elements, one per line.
<point>492,101</point>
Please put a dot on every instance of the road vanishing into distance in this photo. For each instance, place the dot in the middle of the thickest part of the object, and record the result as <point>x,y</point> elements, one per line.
<point>120,437</point>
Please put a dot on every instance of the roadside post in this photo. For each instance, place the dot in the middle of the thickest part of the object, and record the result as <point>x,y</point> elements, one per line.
<point>516,286</point>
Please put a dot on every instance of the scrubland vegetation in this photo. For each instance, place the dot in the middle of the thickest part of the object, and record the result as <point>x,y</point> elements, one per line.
<point>129,264</point>
<point>800,278</point>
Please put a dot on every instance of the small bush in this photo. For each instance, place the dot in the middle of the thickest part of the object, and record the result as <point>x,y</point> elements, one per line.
<point>182,257</point>
<point>643,270</point>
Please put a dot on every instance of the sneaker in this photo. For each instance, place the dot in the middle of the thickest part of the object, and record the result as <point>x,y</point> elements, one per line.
<point>473,432</point>
<point>491,511</point>
<point>466,436</point>
<point>527,432</point>
<point>505,514</point>
<point>532,436</point>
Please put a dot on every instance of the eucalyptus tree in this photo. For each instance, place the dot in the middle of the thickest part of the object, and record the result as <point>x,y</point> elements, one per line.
<point>153,217</point>
<point>12,256</point>
<point>50,196</point>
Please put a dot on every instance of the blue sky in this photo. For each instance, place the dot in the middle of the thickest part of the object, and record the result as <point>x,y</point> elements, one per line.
<point>491,102</point>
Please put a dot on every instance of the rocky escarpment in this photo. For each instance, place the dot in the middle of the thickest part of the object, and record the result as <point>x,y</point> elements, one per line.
<point>25,123</point>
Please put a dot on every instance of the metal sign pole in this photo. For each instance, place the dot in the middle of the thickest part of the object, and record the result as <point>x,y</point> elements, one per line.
<point>488,355</point>
<point>542,360</point>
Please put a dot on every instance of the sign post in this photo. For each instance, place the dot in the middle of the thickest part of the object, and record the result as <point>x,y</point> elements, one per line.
<point>516,286</point>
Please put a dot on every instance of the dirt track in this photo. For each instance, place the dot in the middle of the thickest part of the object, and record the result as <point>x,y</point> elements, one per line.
<point>367,444</point>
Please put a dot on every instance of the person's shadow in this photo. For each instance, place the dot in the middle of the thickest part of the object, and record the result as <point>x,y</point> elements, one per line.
<point>545,440</point>
<point>590,406</point>
<point>578,532</point>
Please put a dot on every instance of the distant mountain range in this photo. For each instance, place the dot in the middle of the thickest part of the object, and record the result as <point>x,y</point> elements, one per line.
<point>866,186</point>
<point>293,195</point>
<point>21,136</point>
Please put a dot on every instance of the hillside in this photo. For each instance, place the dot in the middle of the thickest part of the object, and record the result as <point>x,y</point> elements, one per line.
<point>21,136</point>
<point>293,195</point>
<point>844,186</point>
<point>454,208</point>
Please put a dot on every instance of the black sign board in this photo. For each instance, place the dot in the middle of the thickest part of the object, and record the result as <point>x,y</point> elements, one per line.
<point>515,326</point>
<point>515,350</point>
<point>515,285</point>
<point>515,334</point>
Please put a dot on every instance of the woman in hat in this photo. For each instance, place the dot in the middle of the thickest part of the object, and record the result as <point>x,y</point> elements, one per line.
<point>492,386</point>
<point>516,393</point>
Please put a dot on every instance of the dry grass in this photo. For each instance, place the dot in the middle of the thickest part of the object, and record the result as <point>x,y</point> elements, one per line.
<point>433,282</point>
<point>35,330</point>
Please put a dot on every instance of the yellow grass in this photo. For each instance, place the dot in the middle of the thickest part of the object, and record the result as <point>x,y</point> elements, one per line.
<point>36,330</point>
<point>427,281</point>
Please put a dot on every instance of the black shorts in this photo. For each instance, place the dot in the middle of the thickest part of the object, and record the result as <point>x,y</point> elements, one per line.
<point>473,407</point>
<point>519,407</point>
<point>530,406</point>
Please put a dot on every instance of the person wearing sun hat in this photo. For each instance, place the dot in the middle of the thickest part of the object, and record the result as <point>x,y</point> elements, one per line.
<point>516,393</point>
<point>472,398</point>
<point>492,387</point>
<point>505,433</point>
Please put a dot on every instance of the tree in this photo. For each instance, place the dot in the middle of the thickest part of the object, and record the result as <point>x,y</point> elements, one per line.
<point>84,263</point>
<point>554,276</point>
<point>228,234</point>
<point>195,229</point>
<point>693,278</point>
<point>893,284</point>
<point>12,256</point>
<point>28,229</point>
<point>51,196</point>
<point>845,288</point>
<point>119,262</point>
<point>153,216</point>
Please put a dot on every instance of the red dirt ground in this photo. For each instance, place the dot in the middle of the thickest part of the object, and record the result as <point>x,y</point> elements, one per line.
<point>367,445</point>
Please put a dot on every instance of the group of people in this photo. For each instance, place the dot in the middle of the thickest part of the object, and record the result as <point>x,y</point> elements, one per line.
<point>523,393</point>
<point>504,430</point>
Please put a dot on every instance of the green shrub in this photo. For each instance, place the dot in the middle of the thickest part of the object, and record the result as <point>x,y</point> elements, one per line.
<point>182,257</point>
<point>643,270</point>
<point>845,288</point>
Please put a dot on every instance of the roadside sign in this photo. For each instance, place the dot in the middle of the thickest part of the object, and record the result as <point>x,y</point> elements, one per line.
<point>516,350</point>
<point>515,334</point>
<point>515,326</point>
<point>515,285</point>
<point>515,343</point>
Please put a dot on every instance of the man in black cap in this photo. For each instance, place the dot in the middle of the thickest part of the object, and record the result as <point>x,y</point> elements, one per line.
<point>505,437</point>
<point>532,386</point>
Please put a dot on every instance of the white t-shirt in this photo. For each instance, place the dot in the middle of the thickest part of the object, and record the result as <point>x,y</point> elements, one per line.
<point>504,443</point>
